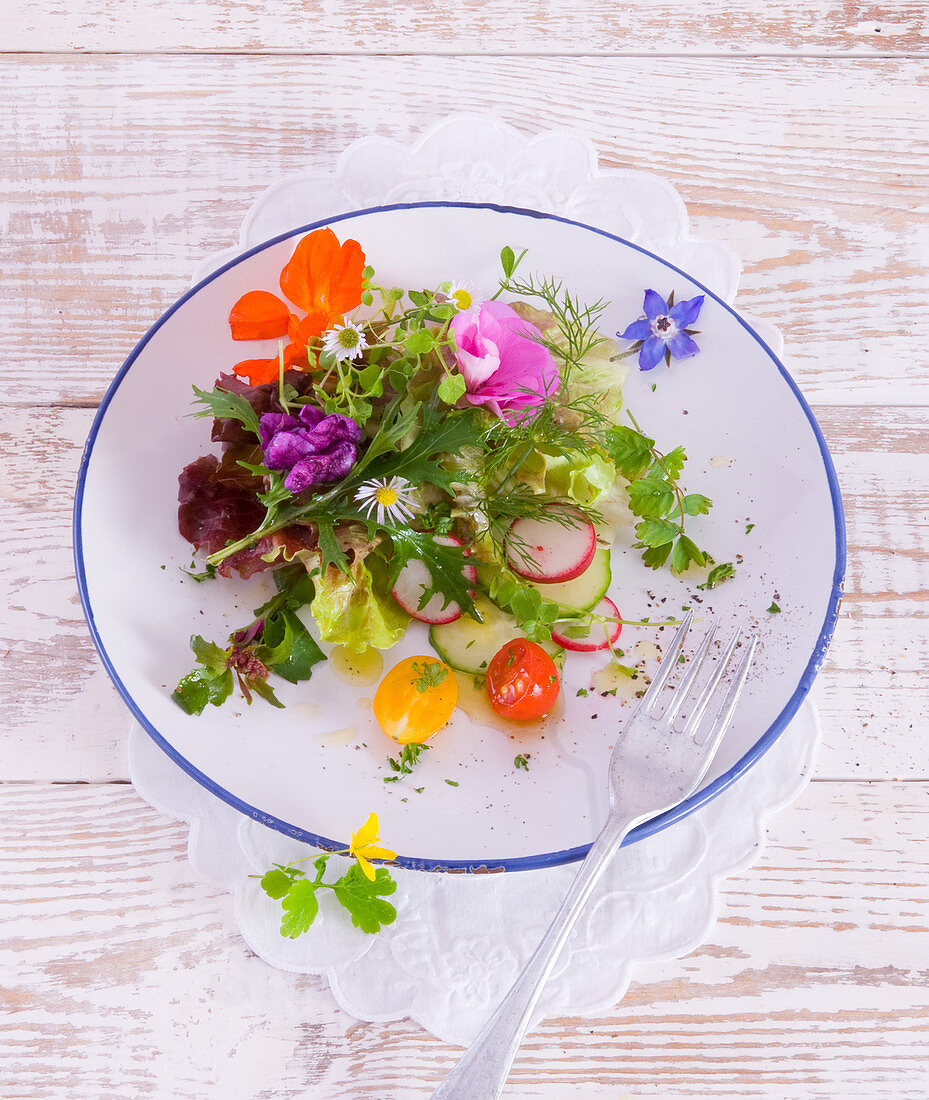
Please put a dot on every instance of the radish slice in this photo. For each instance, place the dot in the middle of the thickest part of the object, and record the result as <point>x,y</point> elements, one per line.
<point>549,552</point>
<point>415,578</point>
<point>595,635</point>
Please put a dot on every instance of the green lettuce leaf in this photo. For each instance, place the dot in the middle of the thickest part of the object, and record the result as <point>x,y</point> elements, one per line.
<point>351,610</point>
<point>585,482</point>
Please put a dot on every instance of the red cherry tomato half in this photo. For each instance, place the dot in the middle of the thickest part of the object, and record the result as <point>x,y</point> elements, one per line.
<point>522,681</point>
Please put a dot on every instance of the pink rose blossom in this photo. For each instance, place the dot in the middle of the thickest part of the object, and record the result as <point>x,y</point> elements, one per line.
<point>501,361</point>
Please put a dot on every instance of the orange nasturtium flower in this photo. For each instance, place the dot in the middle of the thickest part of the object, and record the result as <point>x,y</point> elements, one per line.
<point>259,315</point>
<point>323,278</point>
<point>365,846</point>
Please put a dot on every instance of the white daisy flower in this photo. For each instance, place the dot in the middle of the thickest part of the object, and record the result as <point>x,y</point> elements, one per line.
<point>390,497</point>
<point>345,341</point>
<point>464,296</point>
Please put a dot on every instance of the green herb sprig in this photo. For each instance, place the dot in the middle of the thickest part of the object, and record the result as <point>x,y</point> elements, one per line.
<point>429,674</point>
<point>353,890</point>
<point>276,641</point>
<point>656,497</point>
<point>407,761</point>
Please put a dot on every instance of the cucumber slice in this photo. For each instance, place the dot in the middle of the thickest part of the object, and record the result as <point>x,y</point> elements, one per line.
<point>468,645</point>
<point>585,591</point>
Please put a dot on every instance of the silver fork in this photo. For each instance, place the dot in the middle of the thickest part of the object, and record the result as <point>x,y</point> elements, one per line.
<point>655,765</point>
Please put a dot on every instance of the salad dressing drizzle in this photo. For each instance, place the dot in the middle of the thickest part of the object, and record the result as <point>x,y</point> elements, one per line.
<point>613,680</point>
<point>356,668</point>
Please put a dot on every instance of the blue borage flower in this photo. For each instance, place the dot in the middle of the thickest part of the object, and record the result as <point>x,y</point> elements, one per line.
<point>664,330</point>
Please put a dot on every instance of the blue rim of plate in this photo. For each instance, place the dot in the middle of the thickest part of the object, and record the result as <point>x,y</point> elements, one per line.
<point>516,863</point>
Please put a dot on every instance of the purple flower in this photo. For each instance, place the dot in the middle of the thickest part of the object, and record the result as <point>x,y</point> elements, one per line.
<point>664,331</point>
<point>313,446</point>
<point>502,362</point>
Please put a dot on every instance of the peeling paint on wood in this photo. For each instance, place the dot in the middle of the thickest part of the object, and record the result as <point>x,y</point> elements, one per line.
<point>118,174</point>
<point>121,976</point>
<point>471,26</point>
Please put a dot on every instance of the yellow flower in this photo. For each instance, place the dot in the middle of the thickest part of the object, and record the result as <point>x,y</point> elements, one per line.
<point>365,846</point>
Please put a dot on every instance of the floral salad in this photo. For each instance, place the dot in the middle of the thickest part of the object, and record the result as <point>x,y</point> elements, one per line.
<point>430,455</point>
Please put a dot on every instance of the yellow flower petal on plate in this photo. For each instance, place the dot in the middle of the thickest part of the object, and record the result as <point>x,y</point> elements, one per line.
<point>367,834</point>
<point>373,852</point>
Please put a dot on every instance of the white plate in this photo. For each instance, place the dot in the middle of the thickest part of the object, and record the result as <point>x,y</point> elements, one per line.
<point>316,769</point>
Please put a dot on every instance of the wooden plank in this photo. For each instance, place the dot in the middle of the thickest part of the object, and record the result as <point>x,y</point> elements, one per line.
<point>124,977</point>
<point>65,721</point>
<point>118,174</point>
<point>470,26</point>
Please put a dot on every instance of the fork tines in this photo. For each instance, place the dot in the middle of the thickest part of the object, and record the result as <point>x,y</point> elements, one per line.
<point>652,699</point>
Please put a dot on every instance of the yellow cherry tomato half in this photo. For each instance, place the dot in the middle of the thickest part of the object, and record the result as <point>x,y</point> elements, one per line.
<point>415,699</point>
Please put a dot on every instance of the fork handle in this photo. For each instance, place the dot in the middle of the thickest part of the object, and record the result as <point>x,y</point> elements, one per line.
<point>483,1069</point>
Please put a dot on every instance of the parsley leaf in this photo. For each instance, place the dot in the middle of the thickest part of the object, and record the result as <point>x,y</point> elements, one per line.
<point>650,497</point>
<point>300,908</point>
<point>656,532</point>
<point>718,574</point>
<point>656,498</point>
<point>655,556</point>
<point>673,463</point>
<point>364,898</point>
<point>407,761</point>
<point>630,450</point>
<point>429,674</point>
<point>696,504</point>
<point>685,552</point>
<point>533,612</point>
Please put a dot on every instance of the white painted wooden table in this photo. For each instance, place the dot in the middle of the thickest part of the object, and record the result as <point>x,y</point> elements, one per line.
<point>132,138</point>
